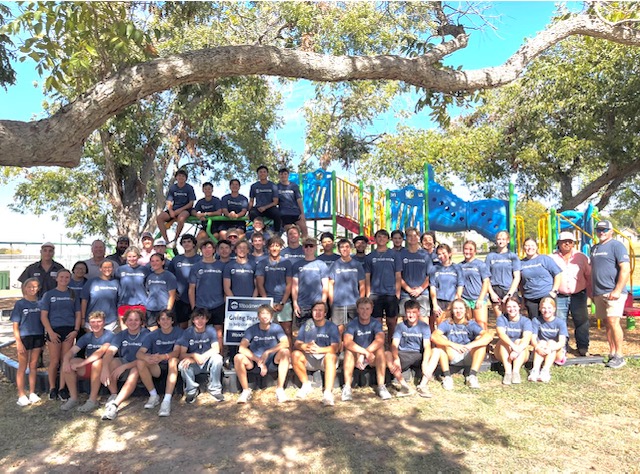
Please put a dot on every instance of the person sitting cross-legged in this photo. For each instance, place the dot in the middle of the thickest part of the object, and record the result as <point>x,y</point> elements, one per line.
<point>411,347</point>
<point>263,349</point>
<point>364,345</point>
<point>316,348</point>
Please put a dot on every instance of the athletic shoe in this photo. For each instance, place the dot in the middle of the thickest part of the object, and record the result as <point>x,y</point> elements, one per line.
<point>112,398</point>
<point>218,397</point>
<point>515,378</point>
<point>245,396</point>
<point>327,399</point>
<point>281,396</point>
<point>404,391</point>
<point>617,362</point>
<point>383,393</point>
<point>110,411</point>
<point>447,382</point>
<point>507,378</point>
<point>191,397</point>
<point>423,391</point>
<point>561,358</point>
<point>545,376</point>
<point>584,352</point>
<point>347,394</point>
<point>69,405</point>
<point>304,391</point>
<point>396,385</point>
<point>33,398</point>
<point>154,401</point>
<point>23,401</point>
<point>610,359</point>
<point>88,406</point>
<point>472,381</point>
<point>165,408</point>
<point>533,376</point>
<point>53,394</point>
<point>63,394</point>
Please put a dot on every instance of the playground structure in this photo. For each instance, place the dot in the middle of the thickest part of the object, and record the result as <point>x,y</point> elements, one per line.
<point>356,208</point>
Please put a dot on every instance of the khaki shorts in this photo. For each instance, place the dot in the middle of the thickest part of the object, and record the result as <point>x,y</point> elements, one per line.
<point>286,314</point>
<point>610,308</point>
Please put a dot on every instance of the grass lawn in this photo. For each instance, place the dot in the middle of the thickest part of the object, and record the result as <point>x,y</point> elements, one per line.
<point>586,419</point>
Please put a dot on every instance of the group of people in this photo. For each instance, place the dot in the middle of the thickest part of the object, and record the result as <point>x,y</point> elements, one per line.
<point>137,314</point>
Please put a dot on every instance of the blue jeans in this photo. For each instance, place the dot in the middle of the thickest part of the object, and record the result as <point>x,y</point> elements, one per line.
<point>576,304</point>
<point>213,367</point>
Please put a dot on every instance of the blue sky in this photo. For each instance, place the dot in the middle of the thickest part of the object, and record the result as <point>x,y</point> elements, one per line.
<point>514,21</point>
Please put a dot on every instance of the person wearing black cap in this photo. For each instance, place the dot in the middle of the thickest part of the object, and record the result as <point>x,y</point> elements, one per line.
<point>360,243</point>
<point>121,245</point>
<point>45,270</point>
<point>610,268</point>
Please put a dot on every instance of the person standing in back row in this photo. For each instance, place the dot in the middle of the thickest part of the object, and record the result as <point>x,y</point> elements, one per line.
<point>263,199</point>
<point>610,268</point>
<point>180,199</point>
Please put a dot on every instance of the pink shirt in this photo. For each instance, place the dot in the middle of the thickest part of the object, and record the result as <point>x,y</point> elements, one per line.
<point>576,272</point>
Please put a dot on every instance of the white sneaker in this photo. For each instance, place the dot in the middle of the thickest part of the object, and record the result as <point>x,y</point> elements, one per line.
<point>404,391</point>
<point>23,401</point>
<point>472,381</point>
<point>281,396</point>
<point>327,399</point>
<point>533,375</point>
<point>112,398</point>
<point>447,382</point>
<point>245,396</point>
<point>383,393</point>
<point>545,376</point>
<point>154,401</point>
<point>110,412</point>
<point>165,408</point>
<point>33,398</point>
<point>304,391</point>
<point>347,394</point>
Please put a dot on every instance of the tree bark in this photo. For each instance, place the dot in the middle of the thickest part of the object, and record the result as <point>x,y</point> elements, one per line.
<point>58,140</point>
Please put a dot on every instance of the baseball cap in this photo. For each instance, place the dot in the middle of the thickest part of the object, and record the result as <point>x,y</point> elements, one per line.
<point>47,244</point>
<point>146,235</point>
<point>160,242</point>
<point>123,238</point>
<point>604,225</point>
<point>566,236</point>
<point>358,238</point>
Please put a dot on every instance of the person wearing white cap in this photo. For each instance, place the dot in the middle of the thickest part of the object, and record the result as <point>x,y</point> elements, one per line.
<point>610,268</point>
<point>45,270</point>
<point>575,286</point>
<point>146,239</point>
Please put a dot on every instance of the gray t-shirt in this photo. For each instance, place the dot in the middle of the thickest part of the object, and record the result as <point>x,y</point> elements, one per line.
<point>605,266</point>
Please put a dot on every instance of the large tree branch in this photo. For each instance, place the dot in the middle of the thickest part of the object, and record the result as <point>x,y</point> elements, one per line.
<point>58,140</point>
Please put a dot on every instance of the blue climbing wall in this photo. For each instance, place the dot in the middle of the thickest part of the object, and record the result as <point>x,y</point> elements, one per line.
<point>407,208</point>
<point>316,193</point>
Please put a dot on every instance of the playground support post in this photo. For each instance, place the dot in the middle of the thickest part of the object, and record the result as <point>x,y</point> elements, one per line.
<point>513,199</point>
<point>334,199</point>
<point>361,205</point>
<point>552,236</point>
<point>425,178</point>
<point>387,211</point>
<point>373,209</point>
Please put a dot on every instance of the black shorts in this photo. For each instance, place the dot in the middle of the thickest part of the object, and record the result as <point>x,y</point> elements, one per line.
<point>385,304</point>
<point>305,314</point>
<point>288,220</point>
<point>271,366</point>
<point>501,292</point>
<point>32,342</point>
<point>224,225</point>
<point>182,311</point>
<point>216,316</point>
<point>152,318</point>
<point>62,331</point>
<point>410,359</point>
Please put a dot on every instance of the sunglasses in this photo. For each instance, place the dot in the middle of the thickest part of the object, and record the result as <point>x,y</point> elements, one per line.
<point>600,231</point>
<point>232,236</point>
<point>309,246</point>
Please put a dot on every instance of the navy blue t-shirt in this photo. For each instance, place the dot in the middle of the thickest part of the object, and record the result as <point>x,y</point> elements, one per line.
<point>198,342</point>
<point>514,329</point>
<point>128,345</point>
<point>415,268</point>
<point>293,255</point>
<point>309,275</point>
<point>181,266</point>
<point>132,290</point>
<point>288,195</point>
<point>549,330</point>
<point>157,342</point>
<point>263,194</point>
<point>102,295</point>
<point>383,266</point>
<point>261,340</point>
<point>242,277</point>
<point>473,275</point>
<point>323,336</point>
<point>411,338</point>
<point>537,276</point>
<point>275,277</point>
<point>211,205</point>
<point>446,281</point>
<point>158,288</point>
<point>460,333</point>
<point>501,267</point>
<point>346,277</point>
<point>605,266</point>
<point>27,315</point>
<point>62,307</point>
<point>180,196</point>
<point>90,343</point>
<point>363,334</point>
<point>208,280</point>
<point>235,204</point>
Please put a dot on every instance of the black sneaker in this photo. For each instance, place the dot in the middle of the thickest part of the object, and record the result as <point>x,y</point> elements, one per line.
<point>63,394</point>
<point>53,394</point>
<point>191,397</point>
